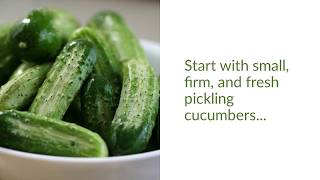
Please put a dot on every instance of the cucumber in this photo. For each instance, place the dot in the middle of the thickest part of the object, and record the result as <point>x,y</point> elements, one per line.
<point>64,80</point>
<point>107,65</point>
<point>37,134</point>
<point>8,62</point>
<point>99,103</point>
<point>41,34</point>
<point>135,118</point>
<point>130,130</point>
<point>19,92</point>
<point>122,43</point>
<point>101,92</point>
<point>21,68</point>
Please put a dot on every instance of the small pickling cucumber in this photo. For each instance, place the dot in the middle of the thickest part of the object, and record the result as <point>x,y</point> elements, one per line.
<point>41,34</point>
<point>8,62</point>
<point>19,92</point>
<point>107,65</point>
<point>34,133</point>
<point>21,68</point>
<point>64,80</point>
<point>122,43</point>
<point>101,92</point>
<point>135,118</point>
<point>99,103</point>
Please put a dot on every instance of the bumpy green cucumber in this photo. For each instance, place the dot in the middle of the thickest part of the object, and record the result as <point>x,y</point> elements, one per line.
<point>122,43</point>
<point>8,62</point>
<point>37,134</point>
<point>21,69</point>
<point>64,80</point>
<point>19,92</point>
<point>101,92</point>
<point>99,103</point>
<point>106,65</point>
<point>135,118</point>
<point>41,34</point>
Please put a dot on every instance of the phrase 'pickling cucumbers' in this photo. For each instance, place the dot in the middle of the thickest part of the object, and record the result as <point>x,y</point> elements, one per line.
<point>8,62</point>
<point>21,68</point>
<point>122,43</point>
<point>135,118</point>
<point>41,34</point>
<point>37,134</point>
<point>64,80</point>
<point>101,92</point>
<point>19,92</point>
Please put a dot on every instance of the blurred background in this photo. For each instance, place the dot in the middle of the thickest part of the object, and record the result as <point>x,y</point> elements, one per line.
<point>143,16</point>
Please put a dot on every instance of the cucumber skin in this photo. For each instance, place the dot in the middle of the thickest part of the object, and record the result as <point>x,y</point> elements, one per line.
<point>8,62</point>
<point>64,80</point>
<point>105,65</point>
<point>41,35</point>
<point>99,104</point>
<point>37,134</point>
<point>135,118</point>
<point>19,92</point>
<point>122,43</point>
<point>21,69</point>
<point>101,92</point>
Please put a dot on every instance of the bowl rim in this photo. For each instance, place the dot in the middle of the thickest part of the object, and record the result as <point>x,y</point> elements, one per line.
<point>41,157</point>
<point>133,157</point>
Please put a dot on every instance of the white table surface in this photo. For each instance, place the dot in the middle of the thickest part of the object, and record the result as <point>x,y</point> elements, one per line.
<point>143,16</point>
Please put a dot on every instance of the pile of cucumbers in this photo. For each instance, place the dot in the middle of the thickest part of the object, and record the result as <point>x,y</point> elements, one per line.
<point>76,91</point>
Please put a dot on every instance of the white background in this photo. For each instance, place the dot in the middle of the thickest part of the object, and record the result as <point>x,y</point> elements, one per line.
<point>286,145</point>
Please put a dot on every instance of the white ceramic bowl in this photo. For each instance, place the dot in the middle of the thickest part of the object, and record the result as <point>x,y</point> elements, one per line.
<point>16,165</point>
